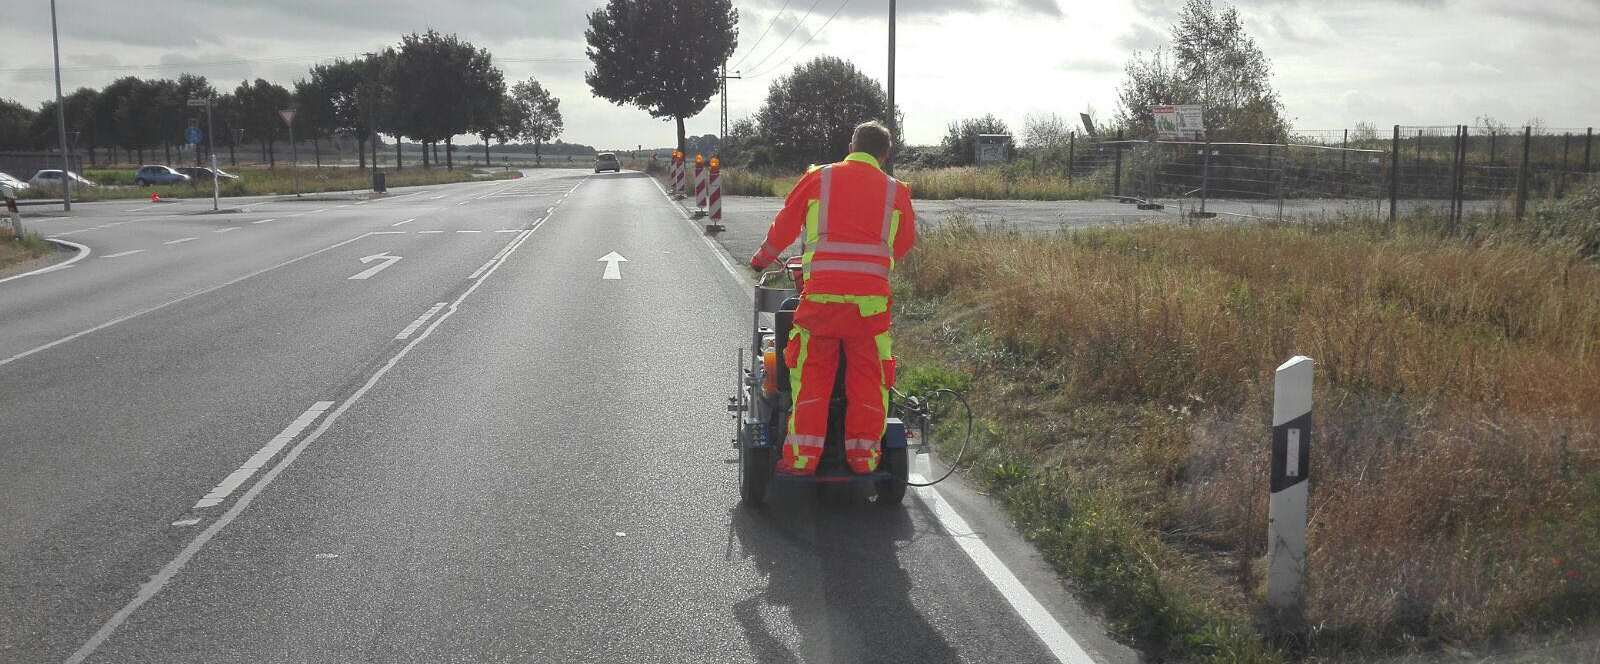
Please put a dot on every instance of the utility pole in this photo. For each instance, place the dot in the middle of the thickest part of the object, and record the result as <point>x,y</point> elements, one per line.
<point>894,128</point>
<point>723,80</point>
<point>61,118</point>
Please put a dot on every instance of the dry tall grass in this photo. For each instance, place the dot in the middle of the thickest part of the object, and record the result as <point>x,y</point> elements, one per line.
<point>1456,490</point>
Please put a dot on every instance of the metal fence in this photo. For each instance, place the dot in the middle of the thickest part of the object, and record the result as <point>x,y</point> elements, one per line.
<point>1448,170</point>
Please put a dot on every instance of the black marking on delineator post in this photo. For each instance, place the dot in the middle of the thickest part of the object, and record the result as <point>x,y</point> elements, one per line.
<point>1291,484</point>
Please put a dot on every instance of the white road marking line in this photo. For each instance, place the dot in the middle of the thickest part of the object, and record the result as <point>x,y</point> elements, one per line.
<point>163,305</point>
<point>263,221</point>
<point>120,254</point>
<point>424,232</point>
<point>342,206</point>
<point>1060,643</point>
<point>185,522</point>
<point>743,282</point>
<point>462,203</point>
<point>171,569</point>
<point>187,239</point>
<point>434,198</point>
<point>316,211</point>
<point>83,252</point>
<point>469,231</point>
<point>405,222</point>
<point>386,259</point>
<point>226,230</point>
<point>406,333</point>
<point>388,232</point>
<point>262,456</point>
<point>481,268</point>
<point>508,230</point>
<point>297,214</point>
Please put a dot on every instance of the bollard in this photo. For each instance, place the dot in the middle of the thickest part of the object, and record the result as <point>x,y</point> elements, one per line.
<point>715,196</point>
<point>1290,486</point>
<point>677,174</point>
<point>11,210</point>
<point>700,185</point>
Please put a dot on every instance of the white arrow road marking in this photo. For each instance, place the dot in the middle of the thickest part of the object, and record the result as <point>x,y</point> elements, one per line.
<point>120,254</point>
<point>613,269</point>
<point>385,257</point>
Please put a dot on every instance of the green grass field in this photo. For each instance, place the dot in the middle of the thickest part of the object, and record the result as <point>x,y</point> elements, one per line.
<point>1124,379</point>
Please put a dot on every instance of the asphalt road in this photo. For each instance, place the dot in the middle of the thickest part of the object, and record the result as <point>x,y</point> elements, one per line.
<point>218,444</point>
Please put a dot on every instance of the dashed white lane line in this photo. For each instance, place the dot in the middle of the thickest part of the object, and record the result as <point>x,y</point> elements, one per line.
<point>120,254</point>
<point>171,569</point>
<point>226,230</point>
<point>297,214</point>
<point>316,211</point>
<point>481,268</point>
<point>185,522</point>
<point>426,232</point>
<point>404,222</point>
<point>1060,643</point>
<point>406,333</point>
<point>263,221</point>
<point>262,456</point>
<point>181,240</point>
<point>508,230</point>
<point>469,231</point>
<point>388,232</point>
<point>434,198</point>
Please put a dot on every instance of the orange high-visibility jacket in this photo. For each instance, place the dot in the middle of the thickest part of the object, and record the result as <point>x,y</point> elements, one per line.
<point>857,222</point>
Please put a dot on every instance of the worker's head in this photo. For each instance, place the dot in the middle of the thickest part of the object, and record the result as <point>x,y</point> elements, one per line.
<point>872,138</point>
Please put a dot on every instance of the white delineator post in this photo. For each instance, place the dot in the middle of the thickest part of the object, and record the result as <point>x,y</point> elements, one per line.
<point>1291,482</point>
<point>11,209</point>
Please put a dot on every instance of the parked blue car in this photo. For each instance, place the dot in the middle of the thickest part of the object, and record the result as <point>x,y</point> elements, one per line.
<point>149,175</point>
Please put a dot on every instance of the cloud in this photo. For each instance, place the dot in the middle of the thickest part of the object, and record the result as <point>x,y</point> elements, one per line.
<point>1142,38</point>
<point>1088,65</point>
<point>917,8</point>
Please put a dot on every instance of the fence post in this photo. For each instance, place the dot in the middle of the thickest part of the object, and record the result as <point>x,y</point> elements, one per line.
<point>1416,168</point>
<point>1344,163</point>
<point>1150,184</point>
<point>1492,136</point>
<point>1205,181</point>
<point>1290,485</point>
<point>1277,177</point>
<point>1394,174</point>
<point>1116,179</point>
<point>1522,173</point>
<point>1072,146</point>
<point>1588,142</point>
<point>1461,175</point>
<point>1455,177</point>
<point>1561,180</point>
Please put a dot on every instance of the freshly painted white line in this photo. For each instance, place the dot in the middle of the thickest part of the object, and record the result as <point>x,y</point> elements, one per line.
<point>185,522</point>
<point>83,252</point>
<point>263,221</point>
<point>262,456</point>
<point>405,222</point>
<point>120,254</point>
<point>181,241</point>
<point>226,230</point>
<point>171,569</point>
<point>424,232</point>
<point>406,333</point>
<point>481,268</point>
<point>469,231</point>
<point>743,281</point>
<point>163,305</point>
<point>1060,643</point>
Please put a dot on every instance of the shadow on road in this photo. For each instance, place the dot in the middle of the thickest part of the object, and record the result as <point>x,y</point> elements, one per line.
<point>836,570</point>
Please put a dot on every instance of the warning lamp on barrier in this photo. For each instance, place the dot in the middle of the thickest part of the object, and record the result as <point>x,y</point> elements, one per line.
<point>716,163</point>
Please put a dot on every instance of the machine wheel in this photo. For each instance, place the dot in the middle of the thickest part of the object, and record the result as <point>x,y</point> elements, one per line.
<point>755,472</point>
<point>898,464</point>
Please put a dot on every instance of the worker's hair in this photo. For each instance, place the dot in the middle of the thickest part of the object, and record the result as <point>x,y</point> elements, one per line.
<point>872,138</point>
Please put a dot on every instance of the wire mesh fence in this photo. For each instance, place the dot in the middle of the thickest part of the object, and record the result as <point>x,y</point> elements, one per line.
<point>1451,170</point>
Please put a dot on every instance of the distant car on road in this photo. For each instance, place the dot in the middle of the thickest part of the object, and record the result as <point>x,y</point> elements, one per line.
<point>52,178</point>
<point>148,175</point>
<point>8,181</point>
<point>199,174</point>
<point>607,161</point>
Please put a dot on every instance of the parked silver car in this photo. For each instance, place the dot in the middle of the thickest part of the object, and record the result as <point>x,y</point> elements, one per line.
<point>51,177</point>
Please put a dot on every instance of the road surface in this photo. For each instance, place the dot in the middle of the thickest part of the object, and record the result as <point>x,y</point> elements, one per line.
<point>428,429</point>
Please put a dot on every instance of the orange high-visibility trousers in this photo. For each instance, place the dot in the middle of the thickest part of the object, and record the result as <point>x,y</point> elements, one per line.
<point>824,333</point>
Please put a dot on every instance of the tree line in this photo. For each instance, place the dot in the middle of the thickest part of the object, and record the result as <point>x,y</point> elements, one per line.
<point>430,88</point>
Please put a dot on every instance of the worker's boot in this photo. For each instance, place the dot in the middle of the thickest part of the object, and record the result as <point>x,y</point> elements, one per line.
<point>862,455</point>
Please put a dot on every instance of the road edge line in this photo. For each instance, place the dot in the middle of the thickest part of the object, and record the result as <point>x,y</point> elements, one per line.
<point>83,252</point>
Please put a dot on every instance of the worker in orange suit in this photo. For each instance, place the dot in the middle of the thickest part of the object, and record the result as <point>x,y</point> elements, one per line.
<point>857,222</point>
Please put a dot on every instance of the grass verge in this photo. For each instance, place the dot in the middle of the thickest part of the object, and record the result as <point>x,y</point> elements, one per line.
<point>1124,381</point>
<point>117,184</point>
<point>1004,183</point>
<point>14,251</point>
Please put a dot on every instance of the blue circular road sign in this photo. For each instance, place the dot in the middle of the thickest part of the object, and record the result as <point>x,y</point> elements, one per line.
<point>193,135</point>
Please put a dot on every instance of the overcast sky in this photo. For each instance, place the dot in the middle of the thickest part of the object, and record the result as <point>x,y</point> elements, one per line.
<point>1335,63</point>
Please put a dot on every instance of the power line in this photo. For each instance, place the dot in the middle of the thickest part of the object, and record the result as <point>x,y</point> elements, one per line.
<point>797,25</point>
<point>770,23</point>
<point>803,46</point>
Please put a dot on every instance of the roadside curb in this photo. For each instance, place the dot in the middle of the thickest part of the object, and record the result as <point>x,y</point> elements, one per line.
<point>82,253</point>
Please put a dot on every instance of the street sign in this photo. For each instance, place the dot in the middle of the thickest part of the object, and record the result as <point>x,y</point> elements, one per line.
<point>197,102</point>
<point>193,135</point>
<point>991,149</point>
<point>1180,123</point>
<point>1088,124</point>
<point>287,115</point>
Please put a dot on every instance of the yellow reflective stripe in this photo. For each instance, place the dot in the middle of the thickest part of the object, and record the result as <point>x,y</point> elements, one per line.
<point>869,305</point>
<point>894,232</point>
<point>800,336</point>
<point>885,346</point>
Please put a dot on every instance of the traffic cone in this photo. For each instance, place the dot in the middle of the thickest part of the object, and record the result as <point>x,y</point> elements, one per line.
<point>155,197</point>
